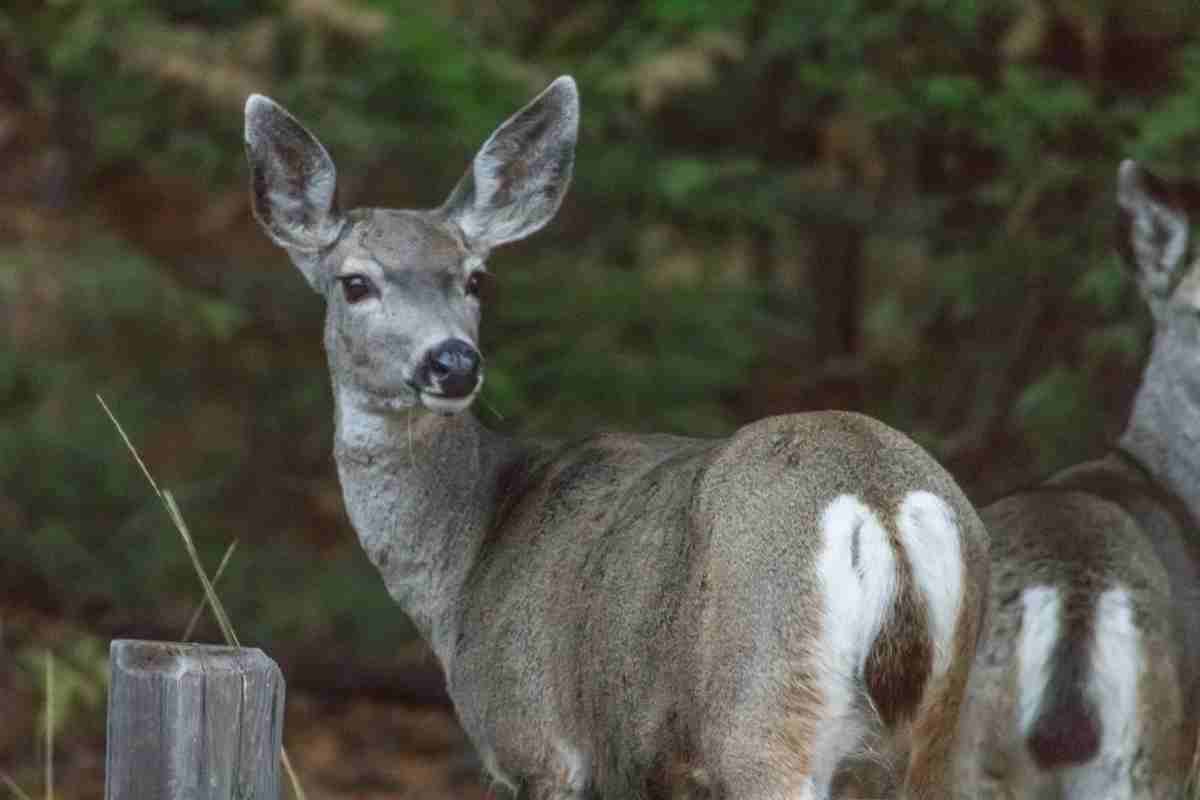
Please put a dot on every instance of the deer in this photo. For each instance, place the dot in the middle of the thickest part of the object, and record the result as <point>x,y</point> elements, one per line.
<point>621,615</point>
<point>1086,683</point>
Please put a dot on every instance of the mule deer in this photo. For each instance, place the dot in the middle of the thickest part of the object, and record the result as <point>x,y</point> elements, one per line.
<point>621,616</point>
<point>1086,683</point>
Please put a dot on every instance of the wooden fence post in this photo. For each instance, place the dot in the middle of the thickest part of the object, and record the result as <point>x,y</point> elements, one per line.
<point>198,722</point>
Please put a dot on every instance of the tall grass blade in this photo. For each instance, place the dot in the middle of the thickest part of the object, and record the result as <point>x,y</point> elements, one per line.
<point>195,618</point>
<point>133,450</point>
<point>217,606</point>
<point>295,779</point>
<point>1192,792</point>
<point>49,725</point>
<point>491,408</point>
<point>12,786</point>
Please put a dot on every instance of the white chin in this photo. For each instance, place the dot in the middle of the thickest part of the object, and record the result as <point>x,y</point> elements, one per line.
<point>446,405</point>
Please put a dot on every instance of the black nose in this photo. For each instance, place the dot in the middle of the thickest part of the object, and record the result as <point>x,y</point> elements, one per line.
<point>453,367</point>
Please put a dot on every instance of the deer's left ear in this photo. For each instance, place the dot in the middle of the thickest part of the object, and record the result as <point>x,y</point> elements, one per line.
<point>1153,231</point>
<point>520,175</point>
<point>292,184</point>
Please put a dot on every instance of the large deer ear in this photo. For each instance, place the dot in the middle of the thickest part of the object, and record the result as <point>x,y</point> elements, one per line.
<point>520,175</point>
<point>1153,230</point>
<point>292,184</point>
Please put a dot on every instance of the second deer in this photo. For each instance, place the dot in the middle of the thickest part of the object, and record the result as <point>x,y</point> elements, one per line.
<point>1086,685</point>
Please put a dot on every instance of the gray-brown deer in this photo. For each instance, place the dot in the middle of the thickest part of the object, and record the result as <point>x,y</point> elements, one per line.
<point>622,616</point>
<point>1086,684</point>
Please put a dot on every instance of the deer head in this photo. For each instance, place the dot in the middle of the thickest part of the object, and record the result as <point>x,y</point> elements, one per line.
<point>401,288</point>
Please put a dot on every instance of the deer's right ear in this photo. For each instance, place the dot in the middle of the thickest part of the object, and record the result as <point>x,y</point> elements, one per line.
<point>1153,230</point>
<point>520,175</point>
<point>292,184</point>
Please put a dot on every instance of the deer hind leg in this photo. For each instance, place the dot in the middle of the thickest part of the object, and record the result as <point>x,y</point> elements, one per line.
<point>883,660</point>
<point>896,644</point>
<point>566,778</point>
<point>823,724</point>
<point>790,739</point>
<point>859,579</point>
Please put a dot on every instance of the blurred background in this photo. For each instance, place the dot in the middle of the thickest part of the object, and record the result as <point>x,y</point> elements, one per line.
<point>904,208</point>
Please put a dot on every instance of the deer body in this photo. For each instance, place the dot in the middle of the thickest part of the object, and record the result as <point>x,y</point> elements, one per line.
<point>621,615</point>
<point>1087,682</point>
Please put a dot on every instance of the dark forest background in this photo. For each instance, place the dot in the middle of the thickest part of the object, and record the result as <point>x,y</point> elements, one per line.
<point>904,208</point>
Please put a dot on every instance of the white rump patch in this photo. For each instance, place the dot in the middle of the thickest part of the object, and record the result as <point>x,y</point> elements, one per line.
<point>857,569</point>
<point>1040,611</point>
<point>858,596</point>
<point>930,536</point>
<point>1116,666</point>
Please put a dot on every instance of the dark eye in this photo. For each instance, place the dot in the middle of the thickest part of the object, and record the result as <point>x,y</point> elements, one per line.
<point>475,282</point>
<point>356,287</point>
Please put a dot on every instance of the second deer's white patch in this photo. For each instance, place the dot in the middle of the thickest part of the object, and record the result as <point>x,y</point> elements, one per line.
<point>1113,687</point>
<point>1116,667</point>
<point>1039,632</point>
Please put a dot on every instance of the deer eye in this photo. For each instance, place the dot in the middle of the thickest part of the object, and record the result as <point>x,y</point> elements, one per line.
<point>475,283</point>
<point>356,287</point>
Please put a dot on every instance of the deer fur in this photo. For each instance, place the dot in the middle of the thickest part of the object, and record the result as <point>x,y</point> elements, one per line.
<point>622,616</point>
<point>1086,684</point>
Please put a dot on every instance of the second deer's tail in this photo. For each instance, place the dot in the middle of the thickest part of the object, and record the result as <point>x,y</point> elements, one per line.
<point>1078,675</point>
<point>1059,723</point>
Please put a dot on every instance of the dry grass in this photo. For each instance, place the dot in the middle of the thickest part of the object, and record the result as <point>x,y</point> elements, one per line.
<point>49,726</point>
<point>1193,783</point>
<point>17,791</point>
<point>210,594</point>
<point>203,604</point>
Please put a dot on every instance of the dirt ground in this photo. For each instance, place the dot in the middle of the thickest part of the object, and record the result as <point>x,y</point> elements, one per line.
<point>342,751</point>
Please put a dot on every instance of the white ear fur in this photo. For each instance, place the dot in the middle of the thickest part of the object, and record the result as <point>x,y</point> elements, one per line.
<point>1154,230</point>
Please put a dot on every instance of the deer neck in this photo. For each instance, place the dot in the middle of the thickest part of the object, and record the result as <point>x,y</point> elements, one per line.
<point>1163,432</point>
<point>420,490</point>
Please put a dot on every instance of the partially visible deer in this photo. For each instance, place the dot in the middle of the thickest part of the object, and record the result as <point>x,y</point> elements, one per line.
<point>622,616</point>
<point>1086,684</point>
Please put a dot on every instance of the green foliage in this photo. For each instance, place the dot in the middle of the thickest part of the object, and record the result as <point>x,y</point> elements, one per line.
<point>74,683</point>
<point>1051,409</point>
<point>1171,130</point>
<point>903,208</point>
<point>635,356</point>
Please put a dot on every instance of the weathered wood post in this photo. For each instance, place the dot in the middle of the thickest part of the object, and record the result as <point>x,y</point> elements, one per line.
<point>199,722</point>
